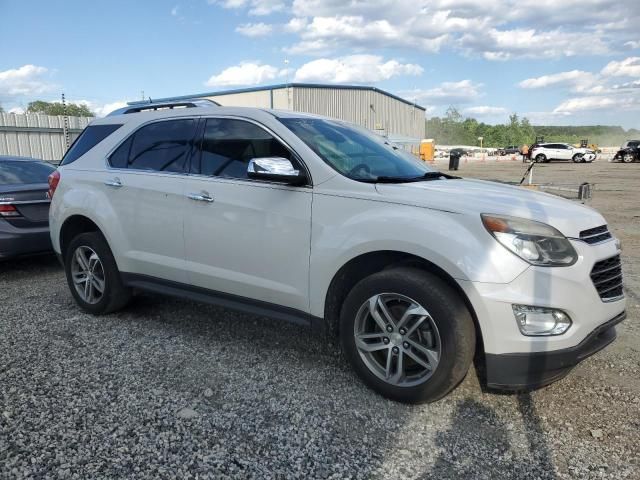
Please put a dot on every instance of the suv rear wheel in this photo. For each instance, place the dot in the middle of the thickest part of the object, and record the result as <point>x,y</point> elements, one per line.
<point>407,334</point>
<point>93,276</point>
<point>540,158</point>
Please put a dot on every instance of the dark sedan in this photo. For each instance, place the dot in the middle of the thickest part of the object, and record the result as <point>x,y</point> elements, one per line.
<point>629,152</point>
<point>24,206</point>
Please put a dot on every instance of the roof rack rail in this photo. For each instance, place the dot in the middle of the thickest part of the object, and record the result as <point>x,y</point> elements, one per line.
<point>136,107</point>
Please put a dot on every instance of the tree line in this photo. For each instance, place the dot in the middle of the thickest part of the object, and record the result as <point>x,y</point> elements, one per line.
<point>56,108</point>
<point>454,129</point>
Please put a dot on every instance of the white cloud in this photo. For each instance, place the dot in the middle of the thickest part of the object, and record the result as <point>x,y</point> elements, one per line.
<point>254,29</point>
<point>326,34</point>
<point>354,69</point>
<point>447,93</point>
<point>484,111</point>
<point>561,78</point>
<point>255,7</point>
<point>25,80</point>
<point>246,73</point>
<point>174,11</point>
<point>16,110</point>
<point>576,80</point>
<point>581,104</point>
<point>493,30</point>
<point>496,44</point>
<point>632,44</point>
<point>296,25</point>
<point>102,110</point>
<point>629,67</point>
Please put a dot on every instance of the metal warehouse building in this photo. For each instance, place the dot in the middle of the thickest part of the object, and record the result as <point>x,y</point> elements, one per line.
<point>387,114</point>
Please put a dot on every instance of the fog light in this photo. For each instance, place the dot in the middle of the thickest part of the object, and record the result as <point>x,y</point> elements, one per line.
<point>537,321</point>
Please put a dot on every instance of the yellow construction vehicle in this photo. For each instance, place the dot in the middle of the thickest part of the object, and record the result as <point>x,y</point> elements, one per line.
<point>585,144</point>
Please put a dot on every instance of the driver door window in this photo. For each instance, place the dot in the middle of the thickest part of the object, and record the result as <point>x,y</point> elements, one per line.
<point>228,145</point>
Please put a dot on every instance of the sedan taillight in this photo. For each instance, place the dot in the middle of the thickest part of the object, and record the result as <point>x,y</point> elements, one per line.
<point>8,211</point>
<point>54,180</point>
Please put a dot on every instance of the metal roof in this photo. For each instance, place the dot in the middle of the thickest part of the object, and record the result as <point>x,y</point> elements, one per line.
<point>276,87</point>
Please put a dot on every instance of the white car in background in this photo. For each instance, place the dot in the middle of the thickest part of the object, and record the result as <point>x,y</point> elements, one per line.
<point>323,223</point>
<point>545,152</point>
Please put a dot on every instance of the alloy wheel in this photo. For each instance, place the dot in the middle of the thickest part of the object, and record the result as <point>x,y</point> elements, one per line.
<point>87,274</point>
<point>628,158</point>
<point>397,339</point>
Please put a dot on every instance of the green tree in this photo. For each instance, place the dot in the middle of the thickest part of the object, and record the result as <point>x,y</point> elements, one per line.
<point>56,108</point>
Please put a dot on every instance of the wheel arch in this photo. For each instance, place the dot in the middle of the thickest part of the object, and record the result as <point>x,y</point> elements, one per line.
<point>74,226</point>
<point>369,263</point>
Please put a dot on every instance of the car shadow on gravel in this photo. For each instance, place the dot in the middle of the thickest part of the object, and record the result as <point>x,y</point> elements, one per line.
<point>479,445</point>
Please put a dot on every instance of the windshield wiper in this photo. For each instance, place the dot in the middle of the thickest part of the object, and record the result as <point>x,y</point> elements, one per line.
<point>390,179</point>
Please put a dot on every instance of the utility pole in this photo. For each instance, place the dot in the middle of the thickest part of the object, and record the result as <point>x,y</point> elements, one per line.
<point>65,123</point>
<point>142,95</point>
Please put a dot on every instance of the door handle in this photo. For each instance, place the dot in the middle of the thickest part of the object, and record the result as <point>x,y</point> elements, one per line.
<point>116,183</point>
<point>200,197</point>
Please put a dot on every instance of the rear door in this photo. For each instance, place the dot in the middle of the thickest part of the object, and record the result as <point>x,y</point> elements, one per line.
<point>145,186</point>
<point>246,237</point>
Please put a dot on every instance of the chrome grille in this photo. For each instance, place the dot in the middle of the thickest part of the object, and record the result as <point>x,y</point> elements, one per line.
<point>595,235</point>
<point>606,276</point>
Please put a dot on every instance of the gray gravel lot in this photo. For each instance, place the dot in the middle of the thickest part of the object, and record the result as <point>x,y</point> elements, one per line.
<point>172,389</point>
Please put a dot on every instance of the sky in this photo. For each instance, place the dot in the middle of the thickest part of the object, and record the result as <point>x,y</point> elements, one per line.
<point>557,62</point>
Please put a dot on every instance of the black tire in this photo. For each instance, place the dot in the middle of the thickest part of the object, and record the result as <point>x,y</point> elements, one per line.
<point>115,295</point>
<point>578,158</point>
<point>540,158</point>
<point>449,313</point>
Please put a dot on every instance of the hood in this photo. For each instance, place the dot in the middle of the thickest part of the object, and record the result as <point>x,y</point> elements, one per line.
<point>474,197</point>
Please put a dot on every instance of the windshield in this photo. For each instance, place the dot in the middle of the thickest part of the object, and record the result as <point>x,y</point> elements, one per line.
<point>355,152</point>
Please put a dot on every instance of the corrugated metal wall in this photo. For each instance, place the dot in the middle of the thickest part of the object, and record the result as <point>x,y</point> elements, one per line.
<point>37,136</point>
<point>373,110</point>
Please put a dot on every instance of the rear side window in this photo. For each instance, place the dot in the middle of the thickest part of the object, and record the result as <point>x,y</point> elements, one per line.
<point>161,146</point>
<point>89,138</point>
<point>229,144</point>
<point>24,172</point>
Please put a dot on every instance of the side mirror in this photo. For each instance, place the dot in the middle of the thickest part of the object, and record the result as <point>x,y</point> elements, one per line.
<point>275,169</point>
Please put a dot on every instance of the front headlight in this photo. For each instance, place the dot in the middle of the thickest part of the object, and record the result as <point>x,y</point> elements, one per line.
<point>534,242</point>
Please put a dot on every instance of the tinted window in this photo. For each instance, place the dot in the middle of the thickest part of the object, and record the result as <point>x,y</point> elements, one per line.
<point>89,138</point>
<point>21,172</point>
<point>228,145</point>
<point>160,146</point>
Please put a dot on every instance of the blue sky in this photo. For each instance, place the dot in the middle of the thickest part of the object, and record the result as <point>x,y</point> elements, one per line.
<point>556,62</point>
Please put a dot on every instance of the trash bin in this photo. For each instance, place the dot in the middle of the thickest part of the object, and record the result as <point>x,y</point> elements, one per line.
<point>454,159</point>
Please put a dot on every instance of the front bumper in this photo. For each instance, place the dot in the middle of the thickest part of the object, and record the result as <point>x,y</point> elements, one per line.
<point>521,371</point>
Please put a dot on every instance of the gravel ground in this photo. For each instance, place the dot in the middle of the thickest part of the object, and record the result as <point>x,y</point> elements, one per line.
<point>172,389</point>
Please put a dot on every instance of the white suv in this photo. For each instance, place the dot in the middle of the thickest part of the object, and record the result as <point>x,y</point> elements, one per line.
<point>323,223</point>
<point>546,152</point>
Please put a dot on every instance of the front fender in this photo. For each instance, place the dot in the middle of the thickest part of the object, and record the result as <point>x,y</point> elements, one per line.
<point>345,228</point>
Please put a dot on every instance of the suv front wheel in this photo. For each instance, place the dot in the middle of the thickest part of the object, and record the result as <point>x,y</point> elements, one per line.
<point>407,334</point>
<point>93,276</point>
